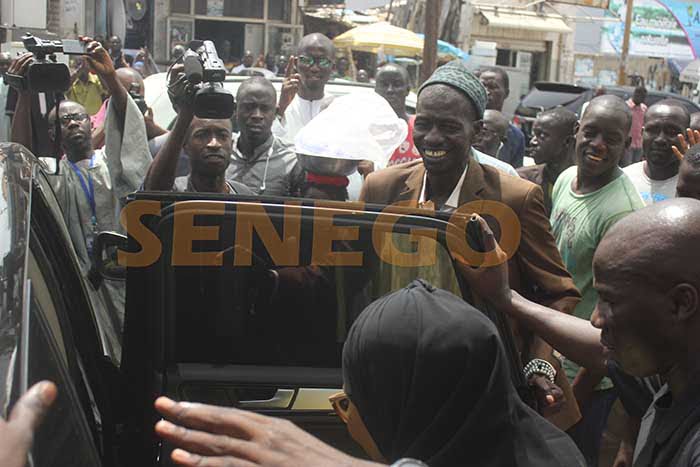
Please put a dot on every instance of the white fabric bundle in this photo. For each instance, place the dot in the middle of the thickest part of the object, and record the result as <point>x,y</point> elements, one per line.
<point>358,126</point>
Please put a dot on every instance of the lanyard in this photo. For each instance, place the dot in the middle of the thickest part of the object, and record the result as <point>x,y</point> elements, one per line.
<point>88,188</point>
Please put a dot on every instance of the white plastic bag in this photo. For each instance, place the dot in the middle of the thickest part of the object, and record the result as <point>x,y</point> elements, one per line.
<point>358,126</point>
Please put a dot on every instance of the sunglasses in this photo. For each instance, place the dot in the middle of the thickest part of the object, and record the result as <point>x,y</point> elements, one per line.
<point>78,117</point>
<point>341,404</point>
<point>322,62</point>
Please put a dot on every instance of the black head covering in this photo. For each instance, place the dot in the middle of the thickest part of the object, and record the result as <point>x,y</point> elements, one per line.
<point>428,374</point>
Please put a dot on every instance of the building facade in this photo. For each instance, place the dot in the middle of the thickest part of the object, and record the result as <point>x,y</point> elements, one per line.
<point>235,26</point>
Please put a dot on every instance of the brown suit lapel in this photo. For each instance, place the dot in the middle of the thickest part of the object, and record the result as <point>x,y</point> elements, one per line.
<point>413,184</point>
<point>474,183</point>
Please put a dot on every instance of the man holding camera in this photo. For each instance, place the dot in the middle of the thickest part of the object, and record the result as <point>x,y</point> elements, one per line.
<point>207,142</point>
<point>91,183</point>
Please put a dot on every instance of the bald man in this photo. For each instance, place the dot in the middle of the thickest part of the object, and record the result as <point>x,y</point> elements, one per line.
<point>302,96</point>
<point>248,60</point>
<point>656,176</point>
<point>643,327</point>
<point>491,133</point>
<point>587,200</point>
<point>94,180</point>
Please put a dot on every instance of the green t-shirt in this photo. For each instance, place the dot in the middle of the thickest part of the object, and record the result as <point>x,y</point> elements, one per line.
<point>579,223</point>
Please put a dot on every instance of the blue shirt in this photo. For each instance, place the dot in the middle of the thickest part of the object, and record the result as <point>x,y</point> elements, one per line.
<point>513,149</point>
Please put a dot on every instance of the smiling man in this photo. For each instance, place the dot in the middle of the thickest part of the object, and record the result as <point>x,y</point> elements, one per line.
<point>587,200</point>
<point>450,104</point>
<point>302,96</point>
<point>656,176</point>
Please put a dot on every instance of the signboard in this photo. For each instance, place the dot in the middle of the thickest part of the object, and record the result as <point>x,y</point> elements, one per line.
<point>687,14</point>
<point>180,32</point>
<point>655,32</point>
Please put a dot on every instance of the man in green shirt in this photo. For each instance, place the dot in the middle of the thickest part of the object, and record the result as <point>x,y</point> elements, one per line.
<point>87,89</point>
<point>587,200</point>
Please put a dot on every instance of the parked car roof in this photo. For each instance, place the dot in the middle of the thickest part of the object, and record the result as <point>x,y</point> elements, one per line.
<point>156,94</point>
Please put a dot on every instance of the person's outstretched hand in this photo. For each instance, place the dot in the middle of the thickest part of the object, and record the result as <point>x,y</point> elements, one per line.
<point>97,56</point>
<point>209,436</point>
<point>685,144</point>
<point>17,433</point>
<point>491,283</point>
<point>20,66</point>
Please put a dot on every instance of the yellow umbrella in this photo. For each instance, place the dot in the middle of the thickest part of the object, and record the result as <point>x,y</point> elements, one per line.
<point>382,37</point>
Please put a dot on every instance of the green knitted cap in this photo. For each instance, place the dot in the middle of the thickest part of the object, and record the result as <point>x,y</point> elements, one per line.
<point>455,74</point>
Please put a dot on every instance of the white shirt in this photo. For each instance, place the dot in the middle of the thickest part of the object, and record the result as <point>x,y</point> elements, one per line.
<point>300,112</point>
<point>239,68</point>
<point>479,157</point>
<point>651,191</point>
<point>453,201</point>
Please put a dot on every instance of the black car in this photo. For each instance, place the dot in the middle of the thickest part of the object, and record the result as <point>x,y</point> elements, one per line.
<point>236,301</point>
<point>546,95</point>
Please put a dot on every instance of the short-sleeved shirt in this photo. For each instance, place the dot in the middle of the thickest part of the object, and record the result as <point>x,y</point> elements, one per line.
<point>651,191</point>
<point>88,94</point>
<point>579,222</point>
<point>670,431</point>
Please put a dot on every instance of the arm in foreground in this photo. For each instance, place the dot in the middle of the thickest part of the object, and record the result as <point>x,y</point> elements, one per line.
<point>17,432</point>
<point>207,435</point>
<point>574,337</point>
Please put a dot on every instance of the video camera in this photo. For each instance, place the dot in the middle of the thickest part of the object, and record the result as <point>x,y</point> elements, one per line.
<point>206,72</point>
<point>45,74</point>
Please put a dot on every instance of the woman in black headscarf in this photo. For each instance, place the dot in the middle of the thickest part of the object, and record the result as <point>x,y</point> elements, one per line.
<point>426,377</point>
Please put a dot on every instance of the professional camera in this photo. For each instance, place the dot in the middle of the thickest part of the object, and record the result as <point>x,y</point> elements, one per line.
<point>205,70</point>
<point>135,93</point>
<point>45,74</point>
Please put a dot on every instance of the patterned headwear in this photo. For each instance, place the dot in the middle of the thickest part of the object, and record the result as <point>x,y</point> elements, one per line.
<point>456,75</point>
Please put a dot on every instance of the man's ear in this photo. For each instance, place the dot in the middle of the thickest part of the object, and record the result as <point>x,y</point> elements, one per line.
<point>686,302</point>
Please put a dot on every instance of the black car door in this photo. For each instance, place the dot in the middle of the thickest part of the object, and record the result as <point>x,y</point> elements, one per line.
<point>247,304</point>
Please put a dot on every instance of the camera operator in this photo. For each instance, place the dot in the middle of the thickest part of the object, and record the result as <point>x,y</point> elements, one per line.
<point>92,182</point>
<point>207,142</point>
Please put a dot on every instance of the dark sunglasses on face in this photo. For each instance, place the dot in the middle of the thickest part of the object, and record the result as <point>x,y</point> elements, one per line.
<point>78,117</point>
<point>322,62</point>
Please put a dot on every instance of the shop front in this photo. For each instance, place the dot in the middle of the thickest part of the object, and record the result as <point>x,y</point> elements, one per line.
<point>235,26</point>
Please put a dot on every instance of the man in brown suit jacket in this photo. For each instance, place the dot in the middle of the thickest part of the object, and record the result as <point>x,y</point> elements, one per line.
<point>450,105</point>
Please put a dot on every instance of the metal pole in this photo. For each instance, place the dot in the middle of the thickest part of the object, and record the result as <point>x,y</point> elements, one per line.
<point>432,24</point>
<point>622,75</point>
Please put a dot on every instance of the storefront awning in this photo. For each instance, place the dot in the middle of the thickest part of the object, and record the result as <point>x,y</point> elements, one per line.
<point>525,20</point>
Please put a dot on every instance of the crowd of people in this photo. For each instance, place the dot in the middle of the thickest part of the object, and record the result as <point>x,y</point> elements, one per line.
<point>602,294</point>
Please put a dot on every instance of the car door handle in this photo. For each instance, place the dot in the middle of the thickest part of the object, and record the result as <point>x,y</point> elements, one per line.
<point>281,400</point>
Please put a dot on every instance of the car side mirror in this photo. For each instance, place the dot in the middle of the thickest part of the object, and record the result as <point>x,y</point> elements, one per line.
<point>104,258</point>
